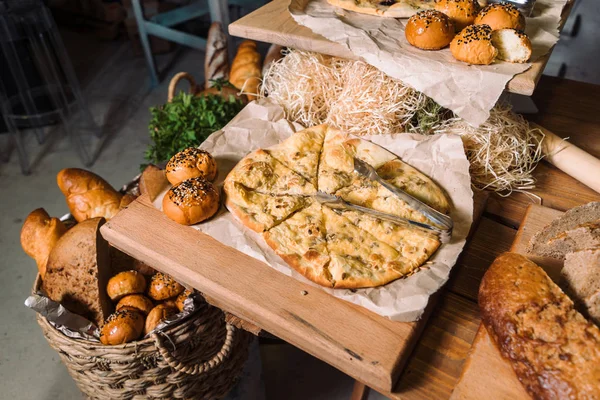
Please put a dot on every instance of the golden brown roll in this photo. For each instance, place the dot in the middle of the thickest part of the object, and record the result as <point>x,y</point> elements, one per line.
<point>191,163</point>
<point>429,30</point>
<point>172,302</point>
<point>88,195</point>
<point>191,201</point>
<point>461,12</point>
<point>126,200</point>
<point>137,301</point>
<point>123,326</point>
<point>181,299</point>
<point>125,283</point>
<point>473,45</point>
<point>500,16</point>
<point>512,45</point>
<point>157,315</point>
<point>39,235</point>
<point>163,287</point>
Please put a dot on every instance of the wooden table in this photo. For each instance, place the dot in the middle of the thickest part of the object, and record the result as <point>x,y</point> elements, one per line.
<point>273,23</point>
<point>569,109</point>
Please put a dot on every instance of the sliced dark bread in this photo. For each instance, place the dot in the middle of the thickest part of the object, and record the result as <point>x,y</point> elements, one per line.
<point>581,275</point>
<point>78,271</point>
<point>540,242</point>
<point>584,236</point>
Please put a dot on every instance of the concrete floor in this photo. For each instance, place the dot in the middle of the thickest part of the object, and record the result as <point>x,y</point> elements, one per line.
<point>116,88</point>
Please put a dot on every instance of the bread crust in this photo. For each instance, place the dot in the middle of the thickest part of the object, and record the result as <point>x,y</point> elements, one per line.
<point>554,350</point>
<point>124,326</point>
<point>39,235</point>
<point>402,9</point>
<point>191,201</point>
<point>501,16</point>
<point>429,30</point>
<point>461,12</point>
<point>473,45</point>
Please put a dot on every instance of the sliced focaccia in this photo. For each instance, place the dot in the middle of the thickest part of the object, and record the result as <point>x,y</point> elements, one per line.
<point>300,152</point>
<point>300,241</point>
<point>336,165</point>
<point>259,211</point>
<point>385,8</point>
<point>263,173</point>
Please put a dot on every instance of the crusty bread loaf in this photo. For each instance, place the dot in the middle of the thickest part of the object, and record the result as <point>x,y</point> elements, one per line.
<point>216,59</point>
<point>581,275</point>
<point>78,270</point>
<point>87,194</point>
<point>540,243</point>
<point>39,235</point>
<point>553,349</point>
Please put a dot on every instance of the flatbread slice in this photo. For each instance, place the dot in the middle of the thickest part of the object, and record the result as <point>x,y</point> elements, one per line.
<point>358,259</point>
<point>300,242</point>
<point>385,8</point>
<point>261,172</point>
<point>414,245</point>
<point>415,183</point>
<point>259,211</point>
<point>369,152</point>
<point>336,165</point>
<point>300,152</point>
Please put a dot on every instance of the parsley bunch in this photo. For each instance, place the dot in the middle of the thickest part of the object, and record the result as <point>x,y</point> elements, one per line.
<point>186,122</point>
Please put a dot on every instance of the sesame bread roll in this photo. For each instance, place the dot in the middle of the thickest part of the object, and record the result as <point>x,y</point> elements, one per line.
<point>191,201</point>
<point>429,30</point>
<point>191,163</point>
<point>461,12</point>
<point>501,16</point>
<point>163,287</point>
<point>473,45</point>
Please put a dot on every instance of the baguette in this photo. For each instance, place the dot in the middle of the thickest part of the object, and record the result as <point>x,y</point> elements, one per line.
<point>554,350</point>
<point>246,69</point>
<point>216,61</point>
<point>39,235</point>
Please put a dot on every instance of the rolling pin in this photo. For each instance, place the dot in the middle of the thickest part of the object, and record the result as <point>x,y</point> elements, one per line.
<point>570,159</point>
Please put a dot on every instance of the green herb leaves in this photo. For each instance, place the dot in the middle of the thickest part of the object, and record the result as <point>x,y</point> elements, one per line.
<point>186,122</point>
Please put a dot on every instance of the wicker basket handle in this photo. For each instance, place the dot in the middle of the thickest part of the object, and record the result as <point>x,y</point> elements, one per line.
<point>175,80</point>
<point>197,369</point>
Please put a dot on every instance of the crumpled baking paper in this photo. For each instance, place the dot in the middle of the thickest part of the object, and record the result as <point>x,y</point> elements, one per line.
<point>262,124</point>
<point>468,90</point>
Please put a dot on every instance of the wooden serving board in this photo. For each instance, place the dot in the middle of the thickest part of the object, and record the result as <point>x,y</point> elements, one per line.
<point>273,23</point>
<point>364,345</point>
<point>486,374</point>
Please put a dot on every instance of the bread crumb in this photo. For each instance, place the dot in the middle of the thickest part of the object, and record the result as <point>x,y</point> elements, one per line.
<point>304,293</point>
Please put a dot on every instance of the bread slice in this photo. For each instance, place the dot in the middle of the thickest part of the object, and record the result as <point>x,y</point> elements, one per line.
<point>584,236</point>
<point>539,243</point>
<point>581,275</point>
<point>512,45</point>
<point>78,271</point>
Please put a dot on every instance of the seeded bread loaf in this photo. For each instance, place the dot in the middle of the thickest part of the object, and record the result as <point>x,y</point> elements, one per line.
<point>78,270</point>
<point>584,236</point>
<point>554,350</point>
<point>541,245</point>
<point>581,274</point>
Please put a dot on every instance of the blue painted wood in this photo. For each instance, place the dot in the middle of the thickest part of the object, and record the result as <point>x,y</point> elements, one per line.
<point>173,35</point>
<point>139,17</point>
<point>181,14</point>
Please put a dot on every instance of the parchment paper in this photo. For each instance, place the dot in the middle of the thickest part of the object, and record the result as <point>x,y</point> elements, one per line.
<point>468,90</point>
<point>262,124</point>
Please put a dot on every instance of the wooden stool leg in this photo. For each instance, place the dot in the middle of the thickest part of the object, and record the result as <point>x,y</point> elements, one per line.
<point>360,391</point>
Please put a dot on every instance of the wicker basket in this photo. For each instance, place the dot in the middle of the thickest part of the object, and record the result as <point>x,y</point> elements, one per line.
<point>200,358</point>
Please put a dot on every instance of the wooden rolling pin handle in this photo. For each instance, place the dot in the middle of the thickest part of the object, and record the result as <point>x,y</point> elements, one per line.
<point>570,159</point>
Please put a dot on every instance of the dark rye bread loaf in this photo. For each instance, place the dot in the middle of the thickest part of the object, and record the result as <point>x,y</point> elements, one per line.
<point>539,243</point>
<point>554,350</point>
<point>78,271</point>
<point>581,275</point>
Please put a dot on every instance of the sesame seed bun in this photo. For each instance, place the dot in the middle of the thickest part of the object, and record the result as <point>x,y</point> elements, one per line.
<point>429,30</point>
<point>473,45</point>
<point>125,283</point>
<point>501,16</point>
<point>191,163</point>
<point>191,201</point>
<point>512,45</point>
<point>157,315</point>
<point>461,12</point>
<point>163,287</point>
<point>125,325</point>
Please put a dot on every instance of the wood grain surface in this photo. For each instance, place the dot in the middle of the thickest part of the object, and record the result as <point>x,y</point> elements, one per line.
<point>486,373</point>
<point>272,23</point>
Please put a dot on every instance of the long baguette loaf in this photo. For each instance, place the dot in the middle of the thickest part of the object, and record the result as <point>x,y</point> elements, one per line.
<point>216,61</point>
<point>554,350</point>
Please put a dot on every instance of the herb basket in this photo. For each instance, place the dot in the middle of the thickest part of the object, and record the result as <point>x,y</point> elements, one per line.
<point>199,358</point>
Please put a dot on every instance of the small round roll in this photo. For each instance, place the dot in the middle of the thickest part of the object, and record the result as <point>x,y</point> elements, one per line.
<point>137,301</point>
<point>461,12</point>
<point>500,16</point>
<point>191,201</point>
<point>157,315</point>
<point>180,302</point>
<point>123,326</point>
<point>124,283</point>
<point>512,45</point>
<point>191,163</point>
<point>429,30</point>
<point>163,287</point>
<point>473,45</point>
